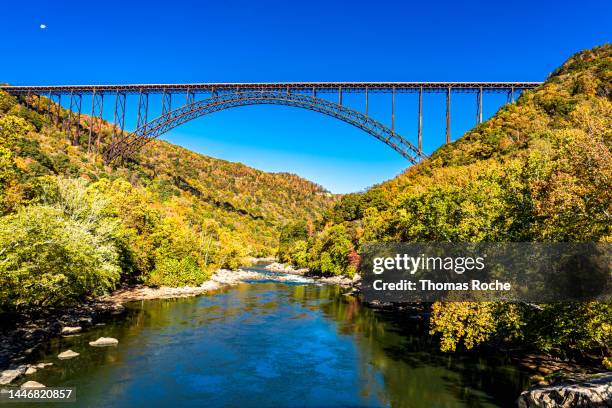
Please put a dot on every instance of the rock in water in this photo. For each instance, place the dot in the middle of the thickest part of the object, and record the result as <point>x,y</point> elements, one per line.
<point>43,365</point>
<point>32,384</point>
<point>595,392</point>
<point>117,309</point>
<point>31,370</point>
<point>7,376</point>
<point>71,329</point>
<point>104,341</point>
<point>67,354</point>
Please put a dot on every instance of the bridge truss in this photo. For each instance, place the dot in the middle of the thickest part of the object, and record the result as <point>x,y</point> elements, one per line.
<point>204,98</point>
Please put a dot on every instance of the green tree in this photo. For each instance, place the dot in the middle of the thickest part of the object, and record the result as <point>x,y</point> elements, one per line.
<point>48,259</point>
<point>289,235</point>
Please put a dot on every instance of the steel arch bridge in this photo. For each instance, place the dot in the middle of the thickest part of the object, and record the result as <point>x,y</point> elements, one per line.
<point>162,124</point>
<point>47,99</point>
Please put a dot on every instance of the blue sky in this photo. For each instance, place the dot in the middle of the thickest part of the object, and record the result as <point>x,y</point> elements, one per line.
<point>242,41</point>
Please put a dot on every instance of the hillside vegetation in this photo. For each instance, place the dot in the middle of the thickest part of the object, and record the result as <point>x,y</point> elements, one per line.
<point>538,170</point>
<point>70,226</point>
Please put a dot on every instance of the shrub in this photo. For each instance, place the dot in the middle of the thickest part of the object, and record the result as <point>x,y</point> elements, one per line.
<point>47,259</point>
<point>174,272</point>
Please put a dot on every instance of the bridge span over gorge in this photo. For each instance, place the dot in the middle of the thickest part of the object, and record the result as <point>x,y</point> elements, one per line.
<point>181,103</point>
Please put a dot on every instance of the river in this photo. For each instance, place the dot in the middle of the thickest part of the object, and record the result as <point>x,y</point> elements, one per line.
<point>265,344</point>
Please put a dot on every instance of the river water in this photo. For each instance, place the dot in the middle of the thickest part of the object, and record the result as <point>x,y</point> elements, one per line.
<point>273,344</point>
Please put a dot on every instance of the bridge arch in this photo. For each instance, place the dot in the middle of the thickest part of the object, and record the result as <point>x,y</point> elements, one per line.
<point>133,141</point>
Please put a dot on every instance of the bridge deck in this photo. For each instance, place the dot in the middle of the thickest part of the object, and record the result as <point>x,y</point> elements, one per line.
<point>292,86</point>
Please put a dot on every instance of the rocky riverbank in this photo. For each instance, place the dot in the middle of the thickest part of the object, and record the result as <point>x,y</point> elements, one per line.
<point>588,391</point>
<point>341,280</point>
<point>219,279</point>
<point>562,383</point>
<point>283,268</point>
<point>22,335</point>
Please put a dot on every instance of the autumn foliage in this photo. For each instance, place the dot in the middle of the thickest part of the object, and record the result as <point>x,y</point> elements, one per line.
<point>539,170</point>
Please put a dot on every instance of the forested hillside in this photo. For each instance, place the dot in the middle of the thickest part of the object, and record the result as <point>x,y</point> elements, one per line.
<point>538,170</point>
<point>71,226</point>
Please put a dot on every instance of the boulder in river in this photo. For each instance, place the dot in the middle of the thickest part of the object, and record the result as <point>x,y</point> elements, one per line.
<point>43,365</point>
<point>104,342</point>
<point>31,370</point>
<point>64,355</point>
<point>594,392</point>
<point>32,384</point>
<point>7,376</point>
<point>71,329</point>
<point>117,309</point>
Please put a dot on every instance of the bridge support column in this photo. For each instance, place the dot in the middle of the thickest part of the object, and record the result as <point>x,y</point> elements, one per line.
<point>97,106</point>
<point>58,111</point>
<point>448,120</point>
<point>49,114</point>
<point>420,129</point>
<point>166,102</point>
<point>100,123</point>
<point>393,110</point>
<point>189,97</point>
<point>511,95</point>
<point>74,118</point>
<point>340,96</point>
<point>479,107</point>
<point>66,123</point>
<point>143,108</point>
<point>366,101</point>
<point>92,119</point>
<point>118,119</point>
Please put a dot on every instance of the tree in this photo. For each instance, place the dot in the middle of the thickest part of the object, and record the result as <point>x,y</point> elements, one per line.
<point>469,323</point>
<point>48,259</point>
<point>330,252</point>
<point>289,234</point>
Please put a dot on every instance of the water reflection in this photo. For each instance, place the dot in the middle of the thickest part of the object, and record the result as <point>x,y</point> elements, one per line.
<point>269,344</point>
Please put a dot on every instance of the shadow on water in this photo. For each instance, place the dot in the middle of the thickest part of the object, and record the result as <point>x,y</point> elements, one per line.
<point>270,344</point>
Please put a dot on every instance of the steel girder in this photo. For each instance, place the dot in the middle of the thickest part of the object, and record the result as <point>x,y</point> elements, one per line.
<point>132,142</point>
<point>166,101</point>
<point>304,87</point>
<point>118,116</point>
<point>74,118</point>
<point>95,121</point>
